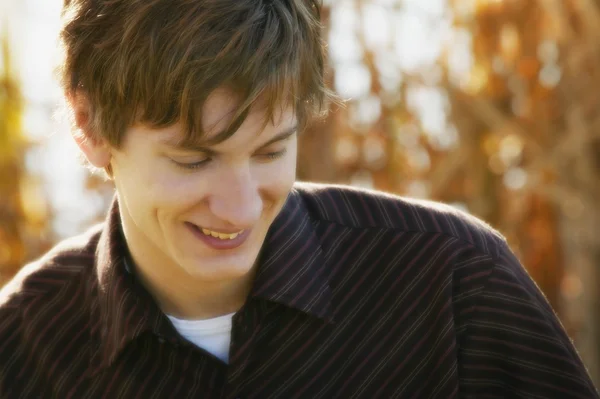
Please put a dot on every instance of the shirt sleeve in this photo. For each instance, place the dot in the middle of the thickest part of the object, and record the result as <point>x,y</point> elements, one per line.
<point>514,344</point>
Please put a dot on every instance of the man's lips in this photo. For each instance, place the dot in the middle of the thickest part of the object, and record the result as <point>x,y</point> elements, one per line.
<point>219,239</point>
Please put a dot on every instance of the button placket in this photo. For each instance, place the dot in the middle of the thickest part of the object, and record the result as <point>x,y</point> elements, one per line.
<point>239,330</point>
<point>243,337</point>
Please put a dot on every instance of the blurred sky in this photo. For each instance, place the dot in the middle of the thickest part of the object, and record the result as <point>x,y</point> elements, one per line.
<point>406,36</point>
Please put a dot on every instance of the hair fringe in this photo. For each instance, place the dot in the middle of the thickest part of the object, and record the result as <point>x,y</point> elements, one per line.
<point>157,62</point>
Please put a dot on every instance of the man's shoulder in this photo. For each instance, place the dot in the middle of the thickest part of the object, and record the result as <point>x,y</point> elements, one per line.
<point>363,208</point>
<point>43,308</point>
<point>63,265</point>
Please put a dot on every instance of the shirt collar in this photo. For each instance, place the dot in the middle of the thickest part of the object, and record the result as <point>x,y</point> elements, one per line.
<point>125,309</point>
<point>291,271</point>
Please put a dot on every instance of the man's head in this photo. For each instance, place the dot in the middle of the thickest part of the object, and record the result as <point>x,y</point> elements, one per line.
<point>192,106</point>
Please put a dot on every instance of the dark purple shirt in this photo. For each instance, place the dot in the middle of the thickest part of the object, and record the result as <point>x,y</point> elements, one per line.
<point>357,295</point>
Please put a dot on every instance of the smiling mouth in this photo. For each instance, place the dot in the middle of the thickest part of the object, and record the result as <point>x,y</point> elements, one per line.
<point>222,236</point>
<point>218,239</point>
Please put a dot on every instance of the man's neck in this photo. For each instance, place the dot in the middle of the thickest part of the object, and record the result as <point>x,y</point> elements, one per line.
<point>188,298</point>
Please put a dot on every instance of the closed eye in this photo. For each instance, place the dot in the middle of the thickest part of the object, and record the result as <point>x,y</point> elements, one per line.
<point>267,157</point>
<point>191,165</point>
<point>271,156</point>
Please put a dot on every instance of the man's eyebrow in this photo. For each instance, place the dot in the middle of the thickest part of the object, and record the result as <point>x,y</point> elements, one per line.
<point>195,147</point>
<point>280,137</point>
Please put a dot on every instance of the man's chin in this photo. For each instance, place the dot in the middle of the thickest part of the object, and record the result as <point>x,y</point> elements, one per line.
<point>205,270</point>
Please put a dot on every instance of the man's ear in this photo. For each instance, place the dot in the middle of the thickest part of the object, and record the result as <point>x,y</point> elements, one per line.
<point>94,147</point>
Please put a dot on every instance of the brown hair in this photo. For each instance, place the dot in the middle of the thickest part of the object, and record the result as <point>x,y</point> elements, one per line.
<point>157,61</point>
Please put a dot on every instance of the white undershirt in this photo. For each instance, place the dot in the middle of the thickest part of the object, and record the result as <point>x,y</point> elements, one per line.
<point>212,335</point>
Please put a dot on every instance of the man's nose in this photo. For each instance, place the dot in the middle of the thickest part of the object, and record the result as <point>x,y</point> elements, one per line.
<point>236,199</point>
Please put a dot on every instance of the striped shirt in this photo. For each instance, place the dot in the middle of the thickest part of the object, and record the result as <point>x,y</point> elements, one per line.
<point>358,294</point>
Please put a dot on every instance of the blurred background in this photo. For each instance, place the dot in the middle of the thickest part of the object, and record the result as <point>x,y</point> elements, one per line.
<point>489,105</point>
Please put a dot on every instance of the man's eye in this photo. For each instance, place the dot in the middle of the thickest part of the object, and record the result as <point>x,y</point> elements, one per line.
<point>270,156</point>
<point>191,165</point>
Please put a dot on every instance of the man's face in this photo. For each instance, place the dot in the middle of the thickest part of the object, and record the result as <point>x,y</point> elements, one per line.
<point>174,200</point>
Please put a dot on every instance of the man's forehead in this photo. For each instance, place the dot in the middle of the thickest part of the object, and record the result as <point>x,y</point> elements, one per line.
<point>218,112</point>
<point>222,105</point>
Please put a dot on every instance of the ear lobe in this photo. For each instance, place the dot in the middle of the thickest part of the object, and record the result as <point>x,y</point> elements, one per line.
<point>95,148</point>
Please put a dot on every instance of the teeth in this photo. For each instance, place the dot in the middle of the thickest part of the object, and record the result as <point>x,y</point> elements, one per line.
<point>222,236</point>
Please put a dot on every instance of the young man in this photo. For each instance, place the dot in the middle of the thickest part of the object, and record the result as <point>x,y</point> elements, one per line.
<point>215,275</point>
